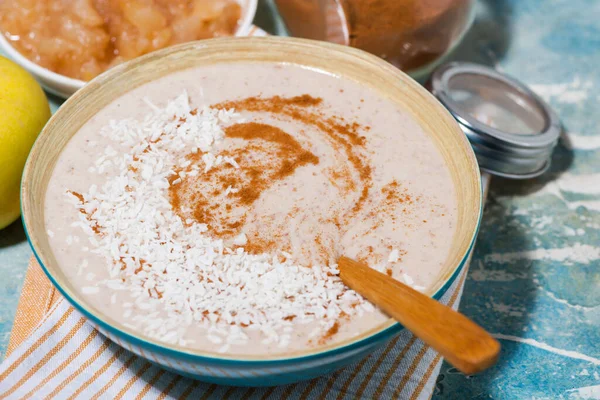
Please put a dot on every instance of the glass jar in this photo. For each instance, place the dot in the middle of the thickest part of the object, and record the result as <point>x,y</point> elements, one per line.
<point>414,35</point>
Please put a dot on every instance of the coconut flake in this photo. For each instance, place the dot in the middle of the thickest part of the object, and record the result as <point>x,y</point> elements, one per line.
<point>90,290</point>
<point>240,239</point>
<point>186,274</point>
<point>408,280</point>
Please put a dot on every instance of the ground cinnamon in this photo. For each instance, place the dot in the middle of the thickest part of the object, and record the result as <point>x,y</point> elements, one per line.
<point>95,227</point>
<point>331,332</point>
<point>408,33</point>
<point>268,155</point>
<point>223,197</point>
<point>345,136</point>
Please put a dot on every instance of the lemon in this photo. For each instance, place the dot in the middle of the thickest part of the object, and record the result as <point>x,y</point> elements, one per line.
<point>24,110</point>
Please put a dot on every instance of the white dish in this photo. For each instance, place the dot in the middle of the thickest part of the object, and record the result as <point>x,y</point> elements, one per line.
<point>64,87</point>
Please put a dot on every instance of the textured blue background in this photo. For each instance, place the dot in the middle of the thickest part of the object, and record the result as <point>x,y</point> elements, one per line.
<point>536,269</point>
<point>535,276</point>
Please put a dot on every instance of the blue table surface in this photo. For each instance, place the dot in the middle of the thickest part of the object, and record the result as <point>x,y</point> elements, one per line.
<point>535,277</point>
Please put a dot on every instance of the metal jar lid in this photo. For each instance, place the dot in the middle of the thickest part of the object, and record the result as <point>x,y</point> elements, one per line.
<point>513,132</point>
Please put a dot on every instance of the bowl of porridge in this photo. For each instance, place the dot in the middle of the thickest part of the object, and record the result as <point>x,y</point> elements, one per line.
<point>192,204</point>
<point>66,43</point>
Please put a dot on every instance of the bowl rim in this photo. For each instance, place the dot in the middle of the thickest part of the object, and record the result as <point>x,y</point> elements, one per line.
<point>64,86</point>
<point>383,330</point>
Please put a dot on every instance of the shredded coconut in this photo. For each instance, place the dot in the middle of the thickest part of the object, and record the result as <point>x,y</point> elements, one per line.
<point>409,281</point>
<point>240,240</point>
<point>176,272</point>
<point>394,256</point>
<point>232,162</point>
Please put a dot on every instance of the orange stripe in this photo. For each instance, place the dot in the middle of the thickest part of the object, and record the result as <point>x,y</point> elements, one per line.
<point>142,353</point>
<point>196,369</point>
<point>309,388</point>
<point>359,367</point>
<point>375,366</point>
<point>411,370</point>
<point>120,372</point>
<point>166,360</point>
<point>169,387</point>
<point>289,391</point>
<point>268,393</point>
<point>210,391</point>
<point>34,303</point>
<point>229,392</point>
<point>330,383</point>
<point>181,366</point>
<point>425,378</point>
<point>56,297</point>
<point>47,316</point>
<point>248,393</point>
<point>193,385</point>
<point>223,372</point>
<point>46,358</point>
<point>460,284</point>
<point>153,356</point>
<point>64,364</point>
<point>150,383</point>
<point>37,344</point>
<point>79,370</point>
<point>133,380</point>
<point>120,343</point>
<point>397,362</point>
<point>102,370</point>
<point>210,371</point>
<point>162,360</point>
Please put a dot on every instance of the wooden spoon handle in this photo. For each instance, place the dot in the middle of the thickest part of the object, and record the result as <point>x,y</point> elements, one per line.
<point>463,343</point>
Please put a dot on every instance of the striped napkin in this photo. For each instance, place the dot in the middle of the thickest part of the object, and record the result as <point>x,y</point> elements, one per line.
<point>54,353</point>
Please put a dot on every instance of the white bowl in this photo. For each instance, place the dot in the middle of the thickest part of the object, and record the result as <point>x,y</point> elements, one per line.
<point>64,87</point>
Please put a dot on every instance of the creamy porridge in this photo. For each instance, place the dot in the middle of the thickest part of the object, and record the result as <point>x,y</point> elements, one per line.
<point>207,209</point>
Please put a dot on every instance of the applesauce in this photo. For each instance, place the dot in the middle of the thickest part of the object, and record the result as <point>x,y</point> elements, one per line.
<point>83,38</point>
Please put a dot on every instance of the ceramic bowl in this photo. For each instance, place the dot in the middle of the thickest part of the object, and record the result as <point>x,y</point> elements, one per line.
<point>339,60</point>
<point>63,86</point>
